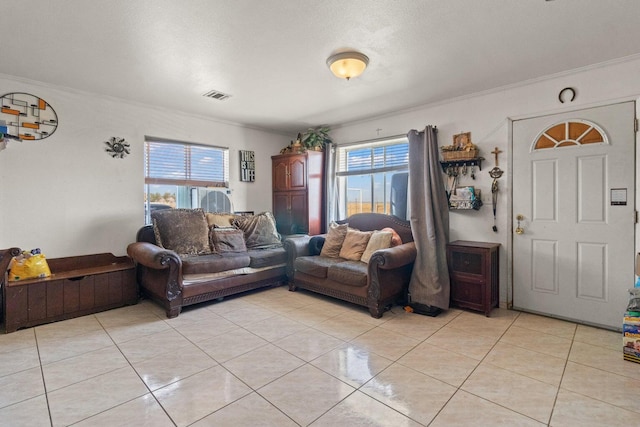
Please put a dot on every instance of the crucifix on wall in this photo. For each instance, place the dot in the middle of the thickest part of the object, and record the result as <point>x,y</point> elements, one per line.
<point>495,152</point>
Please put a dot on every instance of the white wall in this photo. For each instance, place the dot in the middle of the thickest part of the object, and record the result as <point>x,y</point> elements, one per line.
<point>66,195</point>
<point>487,116</point>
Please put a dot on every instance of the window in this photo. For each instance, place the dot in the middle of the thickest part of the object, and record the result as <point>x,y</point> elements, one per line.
<point>364,172</point>
<point>572,133</point>
<point>184,175</point>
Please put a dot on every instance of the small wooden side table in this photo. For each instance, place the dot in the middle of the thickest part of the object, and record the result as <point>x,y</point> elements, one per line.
<point>78,286</point>
<point>474,271</point>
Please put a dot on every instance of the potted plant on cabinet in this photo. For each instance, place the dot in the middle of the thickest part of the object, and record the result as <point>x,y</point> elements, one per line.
<point>316,138</point>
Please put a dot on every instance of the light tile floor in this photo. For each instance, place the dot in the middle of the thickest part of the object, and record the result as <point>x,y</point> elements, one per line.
<point>276,358</point>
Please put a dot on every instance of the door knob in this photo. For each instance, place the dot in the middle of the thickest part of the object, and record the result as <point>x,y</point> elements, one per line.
<point>519,230</point>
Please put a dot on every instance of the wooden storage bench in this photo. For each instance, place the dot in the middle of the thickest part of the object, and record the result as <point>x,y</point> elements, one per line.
<point>78,286</point>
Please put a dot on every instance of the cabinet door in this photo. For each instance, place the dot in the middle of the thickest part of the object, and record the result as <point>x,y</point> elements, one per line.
<point>299,213</point>
<point>298,173</point>
<point>282,212</point>
<point>280,174</point>
<point>469,294</point>
<point>469,261</point>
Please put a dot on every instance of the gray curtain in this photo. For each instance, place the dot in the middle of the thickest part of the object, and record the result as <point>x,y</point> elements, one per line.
<point>331,191</point>
<point>429,220</point>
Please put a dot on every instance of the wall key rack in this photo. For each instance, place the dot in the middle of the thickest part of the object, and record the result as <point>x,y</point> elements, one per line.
<point>460,163</point>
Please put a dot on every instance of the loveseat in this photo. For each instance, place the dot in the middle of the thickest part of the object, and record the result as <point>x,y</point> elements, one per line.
<point>187,256</point>
<point>365,259</point>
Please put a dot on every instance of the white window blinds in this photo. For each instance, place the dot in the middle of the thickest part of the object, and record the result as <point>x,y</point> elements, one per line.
<point>372,157</point>
<point>179,163</point>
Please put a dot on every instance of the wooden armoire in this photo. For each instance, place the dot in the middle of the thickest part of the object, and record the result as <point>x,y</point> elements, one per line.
<point>298,180</point>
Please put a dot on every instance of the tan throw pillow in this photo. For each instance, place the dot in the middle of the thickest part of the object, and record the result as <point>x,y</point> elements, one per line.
<point>334,239</point>
<point>184,231</point>
<point>220,220</point>
<point>355,242</point>
<point>395,239</point>
<point>259,230</point>
<point>228,240</point>
<point>378,240</point>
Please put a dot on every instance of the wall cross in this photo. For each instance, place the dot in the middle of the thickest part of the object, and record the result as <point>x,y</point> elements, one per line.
<point>495,152</point>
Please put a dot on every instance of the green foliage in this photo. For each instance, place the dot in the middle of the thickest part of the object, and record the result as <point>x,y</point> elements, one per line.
<point>162,198</point>
<point>316,138</point>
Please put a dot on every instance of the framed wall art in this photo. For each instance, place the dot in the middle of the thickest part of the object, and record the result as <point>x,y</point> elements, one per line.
<point>247,166</point>
<point>461,140</point>
<point>26,117</point>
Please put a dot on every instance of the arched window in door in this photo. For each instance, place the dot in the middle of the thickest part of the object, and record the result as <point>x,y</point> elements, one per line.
<point>571,133</point>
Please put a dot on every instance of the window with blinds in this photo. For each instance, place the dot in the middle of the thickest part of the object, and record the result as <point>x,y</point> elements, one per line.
<point>185,175</point>
<point>178,163</point>
<point>364,171</point>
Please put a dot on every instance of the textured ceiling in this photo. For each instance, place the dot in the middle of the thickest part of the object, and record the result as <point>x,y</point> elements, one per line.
<point>269,55</point>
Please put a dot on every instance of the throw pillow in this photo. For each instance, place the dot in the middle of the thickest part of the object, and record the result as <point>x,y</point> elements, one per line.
<point>184,231</point>
<point>228,240</point>
<point>334,239</point>
<point>221,220</point>
<point>315,245</point>
<point>395,239</point>
<point>379,240</point>
<point>259,230</point>
<point>355,242</point>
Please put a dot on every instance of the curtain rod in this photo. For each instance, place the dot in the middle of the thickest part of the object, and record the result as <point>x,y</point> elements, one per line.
<point>371,141</point>
<point>148,138</point>
<point>435,128</point>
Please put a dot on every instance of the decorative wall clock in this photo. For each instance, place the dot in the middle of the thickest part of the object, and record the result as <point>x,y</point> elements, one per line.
<point>117,147</point>
<point>26,117</point>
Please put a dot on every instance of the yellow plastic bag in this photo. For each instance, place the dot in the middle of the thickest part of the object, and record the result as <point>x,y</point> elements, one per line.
<point>28,266</point>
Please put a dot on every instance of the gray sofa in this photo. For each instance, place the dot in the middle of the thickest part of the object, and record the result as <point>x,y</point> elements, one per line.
<point>242,255</point>
<point>376,284</point>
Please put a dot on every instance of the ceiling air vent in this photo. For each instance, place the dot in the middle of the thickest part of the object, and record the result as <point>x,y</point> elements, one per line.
<point>216,95</point>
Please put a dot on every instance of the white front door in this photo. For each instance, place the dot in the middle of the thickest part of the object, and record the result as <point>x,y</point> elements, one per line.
<point>573,185</point>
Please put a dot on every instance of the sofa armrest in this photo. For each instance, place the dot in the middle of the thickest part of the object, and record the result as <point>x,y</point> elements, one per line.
<point>295,247</point>
<point>150,259</point>
<point>397,256</point>
<point>298,245</point>
<point>389,272</point>
<point>151,255</point>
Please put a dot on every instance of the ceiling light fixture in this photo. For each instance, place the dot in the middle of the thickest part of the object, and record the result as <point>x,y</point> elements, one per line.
<point>347,64</point>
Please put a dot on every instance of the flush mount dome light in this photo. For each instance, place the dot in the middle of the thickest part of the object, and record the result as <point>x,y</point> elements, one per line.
<point>347,64</point>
